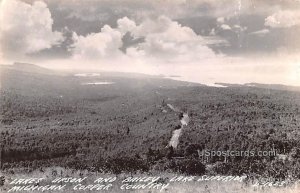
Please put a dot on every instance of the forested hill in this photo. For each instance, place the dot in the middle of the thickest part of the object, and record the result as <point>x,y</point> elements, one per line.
<point>119,122</point>
<point>26,67</point>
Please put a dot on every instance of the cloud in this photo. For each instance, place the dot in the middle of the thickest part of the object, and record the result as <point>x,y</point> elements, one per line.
<point>126,25</point>
<point>225,27</point>
<point>168,40</point>
<point>262,32</point>
<point>96,9</point>
<point>164,40</point>
<point>212,32</point>
<point>104,44</point>
<point>239,28</point>
<point>221,20</point>
<point>97,45</point>
<point>26,29</point>
<point>88,14</point>
<point>283,19</point>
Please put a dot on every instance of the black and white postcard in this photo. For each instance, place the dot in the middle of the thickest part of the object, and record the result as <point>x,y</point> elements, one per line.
<point>149,96</point>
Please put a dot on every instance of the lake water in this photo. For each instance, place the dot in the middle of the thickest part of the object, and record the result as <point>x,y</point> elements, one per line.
<point>98,83</point>
<point>87,74</point>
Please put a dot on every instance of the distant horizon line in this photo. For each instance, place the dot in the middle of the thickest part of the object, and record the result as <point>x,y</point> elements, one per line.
<point>170,76</point>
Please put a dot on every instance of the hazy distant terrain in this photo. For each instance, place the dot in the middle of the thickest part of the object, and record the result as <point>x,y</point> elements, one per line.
<point>64,119</point>
<point>266,86</point>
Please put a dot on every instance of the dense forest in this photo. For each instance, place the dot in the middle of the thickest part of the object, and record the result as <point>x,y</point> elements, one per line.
<point>53,119</point>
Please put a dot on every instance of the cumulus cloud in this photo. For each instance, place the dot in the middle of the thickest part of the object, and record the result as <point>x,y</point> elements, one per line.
<point>221,20</point>
<point>164,40</point>
<point>25,28</point>
<point>212,32</point>
<point>169,40</point>
<point>104,44</point>
<point>283,19</point>
<point>126,25</point>
<point>97,45</point>
<point>239,28</point>
<point>225,27</point>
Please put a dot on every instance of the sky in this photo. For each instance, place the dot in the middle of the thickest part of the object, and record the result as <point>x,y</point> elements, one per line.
<point>206,41</point>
